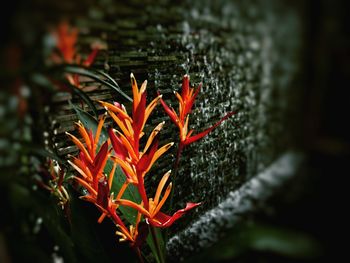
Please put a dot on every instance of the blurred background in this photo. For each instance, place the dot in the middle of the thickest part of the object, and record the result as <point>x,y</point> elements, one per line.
<point>307,219</point>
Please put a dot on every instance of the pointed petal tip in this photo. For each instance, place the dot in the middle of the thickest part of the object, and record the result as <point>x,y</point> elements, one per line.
<point>132,75</point>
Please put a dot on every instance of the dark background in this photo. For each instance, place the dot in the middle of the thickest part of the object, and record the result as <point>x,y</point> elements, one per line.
<point>324,135</point>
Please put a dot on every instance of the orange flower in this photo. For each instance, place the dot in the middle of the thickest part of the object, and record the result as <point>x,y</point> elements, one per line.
<point>66,40</point>
<point>136,163</point>
<point>90,165</point>
<point>126,142</point>
<point>152,212</point>
<point>186,100</point>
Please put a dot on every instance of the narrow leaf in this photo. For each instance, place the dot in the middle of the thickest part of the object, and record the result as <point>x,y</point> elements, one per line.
<point>94,75</point>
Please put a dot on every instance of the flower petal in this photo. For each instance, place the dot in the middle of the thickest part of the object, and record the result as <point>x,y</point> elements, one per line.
<point>147,156</point>
<point>118,146</point>
<point>131,204</point>
<point>100,162</point>
<point>185,86</point>
<point>198,136</point>
<point>190,101</point>
<point>164,220</point>
<point>169,111</point>
<point>103,192</point>
<point>90,59</point>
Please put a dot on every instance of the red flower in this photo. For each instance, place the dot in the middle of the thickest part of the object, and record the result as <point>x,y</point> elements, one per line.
<point>90,165</point>
<point>186,100</point>
<point>134,162</point>
<point>152,212</point>
<point>66,41</point>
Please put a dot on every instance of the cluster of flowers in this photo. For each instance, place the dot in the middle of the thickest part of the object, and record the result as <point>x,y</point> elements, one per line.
<point>134,162</point>
<point>123,148</point>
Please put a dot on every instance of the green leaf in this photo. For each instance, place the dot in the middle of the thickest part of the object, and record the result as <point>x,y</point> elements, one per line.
<point>90,123</point>
<point>131,193</point>
<point>45,82</point>
<point>85,98</point>
<point>95,75</point>
<point>152,243</point>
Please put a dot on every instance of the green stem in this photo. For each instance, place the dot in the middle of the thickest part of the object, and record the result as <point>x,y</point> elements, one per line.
<point>175,171</point>
<point>156,243</point>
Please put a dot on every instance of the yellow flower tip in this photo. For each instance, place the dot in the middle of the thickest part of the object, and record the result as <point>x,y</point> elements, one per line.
<point>132,77</point>
<point>174,91</point>
<point>160,96</point>
<point>167,146</point>
<point>143,87</point>
<point>187,76</point>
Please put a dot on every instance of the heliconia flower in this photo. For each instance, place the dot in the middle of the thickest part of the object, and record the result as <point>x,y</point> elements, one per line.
<point>90,164</point>
<point>66,40</point>
<point>181,119</point>
<point>126,141</point>
<point>132,127</point>
<point>152,212</point>
<point>52,180</point>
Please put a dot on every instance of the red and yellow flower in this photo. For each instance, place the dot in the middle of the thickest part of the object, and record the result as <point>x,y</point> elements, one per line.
<point>90,165</point>
<point>66,40</point>
<point>181,119</point>
<point>136,163</point>
<point>152,213</point>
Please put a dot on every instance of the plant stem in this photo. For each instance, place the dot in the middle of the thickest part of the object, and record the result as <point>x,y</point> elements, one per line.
<point>156,242</point>
<point>139,255</point>
<point>175,171</point>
